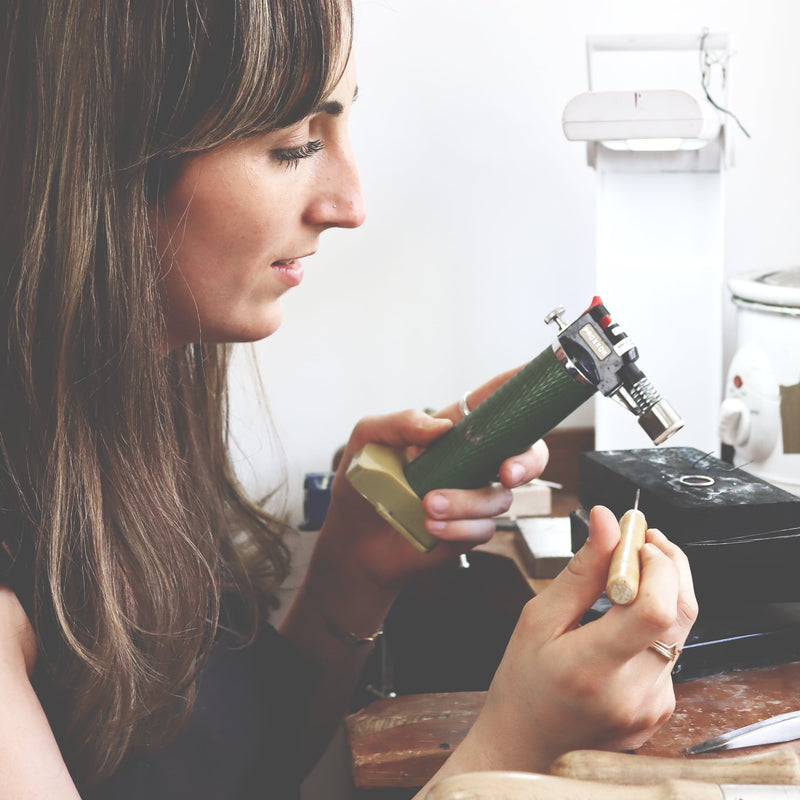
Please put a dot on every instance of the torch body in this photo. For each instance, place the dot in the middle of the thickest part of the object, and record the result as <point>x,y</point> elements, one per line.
<point>519,413</point>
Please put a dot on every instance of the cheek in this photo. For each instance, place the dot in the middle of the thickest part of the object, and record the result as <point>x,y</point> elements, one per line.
<point>217,283</point>
<point>208,223</point>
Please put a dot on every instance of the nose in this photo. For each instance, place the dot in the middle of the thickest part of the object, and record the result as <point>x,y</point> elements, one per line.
<point>338,203</point>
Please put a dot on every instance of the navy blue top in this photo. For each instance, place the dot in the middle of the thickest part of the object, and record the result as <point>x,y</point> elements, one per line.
<point>242,740</point>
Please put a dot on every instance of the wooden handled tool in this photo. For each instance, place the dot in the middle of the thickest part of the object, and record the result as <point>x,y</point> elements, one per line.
<point>623,576</point>
<point>771,767</point>
<point>527,786</point>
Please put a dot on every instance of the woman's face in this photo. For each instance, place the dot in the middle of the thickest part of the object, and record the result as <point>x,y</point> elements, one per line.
<point>238,219</point>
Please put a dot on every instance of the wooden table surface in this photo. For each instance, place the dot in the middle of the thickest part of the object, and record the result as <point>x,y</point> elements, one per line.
<point>403,741</point>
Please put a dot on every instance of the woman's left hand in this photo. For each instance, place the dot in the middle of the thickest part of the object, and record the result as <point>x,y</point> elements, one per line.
<point>360,563</point>
<point>353,531</point>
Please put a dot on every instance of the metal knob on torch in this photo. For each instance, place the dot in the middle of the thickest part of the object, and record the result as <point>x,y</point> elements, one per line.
<point>592,354</point>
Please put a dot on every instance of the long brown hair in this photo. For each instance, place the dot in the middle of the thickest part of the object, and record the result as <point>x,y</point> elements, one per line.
<point>116,482</point>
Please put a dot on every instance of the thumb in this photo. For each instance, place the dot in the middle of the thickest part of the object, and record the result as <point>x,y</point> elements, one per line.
<point>583,580</point>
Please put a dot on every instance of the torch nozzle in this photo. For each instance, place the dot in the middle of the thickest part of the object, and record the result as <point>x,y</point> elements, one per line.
<point>660,422</point>
<point>655,415</point>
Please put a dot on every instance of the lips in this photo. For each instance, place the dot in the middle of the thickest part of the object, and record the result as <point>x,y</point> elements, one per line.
<point>290,270</point>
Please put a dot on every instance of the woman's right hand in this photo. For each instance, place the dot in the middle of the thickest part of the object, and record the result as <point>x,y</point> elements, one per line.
<point>564,686</point>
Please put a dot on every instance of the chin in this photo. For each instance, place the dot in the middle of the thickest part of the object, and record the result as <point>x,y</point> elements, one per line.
<point>230,330</point>
<point>263,328</point>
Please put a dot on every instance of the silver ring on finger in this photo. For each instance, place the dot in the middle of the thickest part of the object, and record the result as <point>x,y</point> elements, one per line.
<point>463,404</point>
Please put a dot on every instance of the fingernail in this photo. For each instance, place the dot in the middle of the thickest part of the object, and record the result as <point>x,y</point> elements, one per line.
<point>435,525</point>
<point>517,473</point>
<point>439,504</point>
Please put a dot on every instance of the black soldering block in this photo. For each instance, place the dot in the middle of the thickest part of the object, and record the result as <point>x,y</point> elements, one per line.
<point>688,494</point>
<point>741,534</point>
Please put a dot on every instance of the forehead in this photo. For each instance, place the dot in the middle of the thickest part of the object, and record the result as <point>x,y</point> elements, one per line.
<point>346,89</point>
<point>254,79</point>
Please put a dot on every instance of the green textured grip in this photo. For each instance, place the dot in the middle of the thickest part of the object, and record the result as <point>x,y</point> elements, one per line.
<point>509,421</point>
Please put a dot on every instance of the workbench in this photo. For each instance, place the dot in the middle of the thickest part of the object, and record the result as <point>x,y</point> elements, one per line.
<point>397,743</point>
<point>402,741</point>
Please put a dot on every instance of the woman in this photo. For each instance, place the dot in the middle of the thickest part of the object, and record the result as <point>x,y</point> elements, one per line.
<point>164,166</point>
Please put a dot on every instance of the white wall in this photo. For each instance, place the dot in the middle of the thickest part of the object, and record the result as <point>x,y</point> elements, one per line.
<point>481,214</point>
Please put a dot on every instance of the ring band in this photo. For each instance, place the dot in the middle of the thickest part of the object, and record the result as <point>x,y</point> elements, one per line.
<point>669,651</point>
<point>463,404</point>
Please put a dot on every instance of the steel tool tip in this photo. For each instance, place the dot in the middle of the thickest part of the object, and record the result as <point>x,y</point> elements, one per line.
<point>783,728</point>
<point>636,501</point>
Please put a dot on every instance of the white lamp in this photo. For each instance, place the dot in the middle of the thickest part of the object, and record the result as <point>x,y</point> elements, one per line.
<point>647,120</point>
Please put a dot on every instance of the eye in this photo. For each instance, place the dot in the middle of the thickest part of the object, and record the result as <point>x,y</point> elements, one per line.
<point>291,156</point>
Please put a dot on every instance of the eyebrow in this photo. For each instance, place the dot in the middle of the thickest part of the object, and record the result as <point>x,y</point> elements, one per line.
<point>333,107</point>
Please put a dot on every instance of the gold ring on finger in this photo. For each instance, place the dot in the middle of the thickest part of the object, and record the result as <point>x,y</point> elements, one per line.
<point>669,651</point>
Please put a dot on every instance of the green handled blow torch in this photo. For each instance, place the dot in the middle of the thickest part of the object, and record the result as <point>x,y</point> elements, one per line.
<point>592,354</point>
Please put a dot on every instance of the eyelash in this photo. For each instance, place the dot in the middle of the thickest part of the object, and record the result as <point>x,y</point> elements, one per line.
<point>292,156</point>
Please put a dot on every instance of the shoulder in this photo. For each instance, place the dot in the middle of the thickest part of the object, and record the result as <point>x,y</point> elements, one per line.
<point>17,637</point>
<point>30,761</point>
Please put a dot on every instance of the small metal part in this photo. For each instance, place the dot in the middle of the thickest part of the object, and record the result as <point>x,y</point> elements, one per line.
<point>555,316</point>
<point>636,501</point>
<point>729,468</point>
<point>696,480</point>
<point>569,367</point>
<point>702,458</point>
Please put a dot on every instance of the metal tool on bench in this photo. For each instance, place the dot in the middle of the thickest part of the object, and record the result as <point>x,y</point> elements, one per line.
<point>782,728</point>
<point>590,355</point>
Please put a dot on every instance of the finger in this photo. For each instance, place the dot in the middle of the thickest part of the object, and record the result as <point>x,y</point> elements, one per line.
<point>656,537</point>
<point>659,588</point>
<point>625,631</point>
<point>687,602</point>
<point>469,532</point>
<point>526,466</point>
<point>455,504</point>
<point>477,396</point>
<point>400,429</point>
<point>573,592</point>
